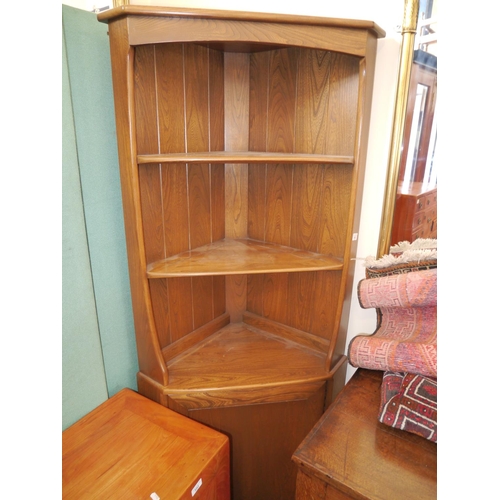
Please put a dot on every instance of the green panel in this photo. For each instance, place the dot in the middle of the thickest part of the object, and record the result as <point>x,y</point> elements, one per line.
<point>83,378</point>
<point>92,97</point>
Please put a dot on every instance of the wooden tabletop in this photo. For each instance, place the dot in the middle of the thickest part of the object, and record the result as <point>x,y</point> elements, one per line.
<point>131,447</point>
<point>351,452</point>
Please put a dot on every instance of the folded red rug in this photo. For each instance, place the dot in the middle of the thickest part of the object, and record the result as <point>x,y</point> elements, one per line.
<point>409,402</point>
<point>406,336</point>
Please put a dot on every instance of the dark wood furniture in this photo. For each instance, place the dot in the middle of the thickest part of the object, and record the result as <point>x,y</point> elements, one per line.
<point>132,447</point>
<point>415,211</point>
<point>349,454</point>
<point>242,142</point>
<point>415,215</point>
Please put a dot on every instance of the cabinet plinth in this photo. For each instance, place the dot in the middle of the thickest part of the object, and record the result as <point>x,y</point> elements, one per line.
<point>241,140</point>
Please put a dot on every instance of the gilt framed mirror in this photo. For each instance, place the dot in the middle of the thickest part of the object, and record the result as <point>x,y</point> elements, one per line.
<point>410,201</point>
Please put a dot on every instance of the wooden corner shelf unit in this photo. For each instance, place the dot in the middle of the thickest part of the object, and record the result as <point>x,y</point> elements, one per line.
<point>242,142</point>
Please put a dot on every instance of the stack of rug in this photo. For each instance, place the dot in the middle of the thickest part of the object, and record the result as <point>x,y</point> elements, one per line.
<point>402,287</point>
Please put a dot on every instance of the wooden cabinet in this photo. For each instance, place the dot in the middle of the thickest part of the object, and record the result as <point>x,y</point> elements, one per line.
<point>351,455</point>
<point>242,142</point>
<point>131,447</point>
<point>415,214</point>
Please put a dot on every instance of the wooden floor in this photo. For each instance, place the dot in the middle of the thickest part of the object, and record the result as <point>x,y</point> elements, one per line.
<point>349,454</point>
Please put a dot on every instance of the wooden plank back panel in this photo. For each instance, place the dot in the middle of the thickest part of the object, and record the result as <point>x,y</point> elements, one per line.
<point>178,117</point>
<point>297,104</point>
<point>343,91</point>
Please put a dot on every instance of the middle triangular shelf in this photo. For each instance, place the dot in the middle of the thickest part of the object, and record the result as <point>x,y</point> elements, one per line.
<point>241,256</point>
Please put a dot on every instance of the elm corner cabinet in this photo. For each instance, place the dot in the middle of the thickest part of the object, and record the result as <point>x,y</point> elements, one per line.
<point>242,142</point>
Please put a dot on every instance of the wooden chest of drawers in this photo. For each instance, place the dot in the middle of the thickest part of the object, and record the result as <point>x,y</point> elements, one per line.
<point>349,454</point>
<point>132,448</point>
<point>415,214</point>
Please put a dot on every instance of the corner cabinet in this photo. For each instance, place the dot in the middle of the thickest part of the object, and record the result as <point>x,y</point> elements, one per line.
<point>242,141</point>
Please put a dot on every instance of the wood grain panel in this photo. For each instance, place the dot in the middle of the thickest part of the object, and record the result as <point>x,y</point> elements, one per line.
<point>171,113</point>
<point>306,209</point>
<point>300,302</point>
<point>335,210</point>
<point>257,175</point>
<point>219,295</point>
<point>145,100</point>
<point>217,202</point>
<point>216,110</point>
<point>344,84</point>
<point>196,67</point>
<point>216,99</point>
<point>175,202</point>
<point>309,488</point>
<point>236,102</point>
<point>247,36</point>
<point>313,76</point>
<point>159,301</point>
<point>180,307</point>
<point>262,469</point>
<point>196,88</point>
<point>282,94</point>
<point>170,89</point>
<point>199,205</point>
<point>275,297</point>
<point>202,300</point>
<point>258,105</point>
<point>175,209</point>
<point>106,454</point>
<point>313,97</point>
<point>279,204</point>
<point>255,284</point>
<point>258,100</point>
<point>152,216</point>
<point>236,296</point>
<point>147,142</point>
<point>325,294</point>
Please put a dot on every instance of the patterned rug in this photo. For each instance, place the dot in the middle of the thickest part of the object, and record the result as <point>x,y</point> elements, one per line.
<point>409,402</point>
<point>402,287</point>
<point>406,336</point>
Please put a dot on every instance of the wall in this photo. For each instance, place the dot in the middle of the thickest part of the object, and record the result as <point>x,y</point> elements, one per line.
<point>98,332</point>
<point>91,97</point>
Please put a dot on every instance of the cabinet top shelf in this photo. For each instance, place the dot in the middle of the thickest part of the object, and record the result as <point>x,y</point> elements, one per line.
<point>242,157</point>
<point>227,257</point>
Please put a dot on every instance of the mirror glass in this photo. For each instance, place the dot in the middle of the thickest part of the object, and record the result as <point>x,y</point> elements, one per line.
<point>415,210</point>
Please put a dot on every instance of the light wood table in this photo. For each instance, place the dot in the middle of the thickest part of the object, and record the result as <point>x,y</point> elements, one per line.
<point>349,454</point>
<point>131,447</point>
